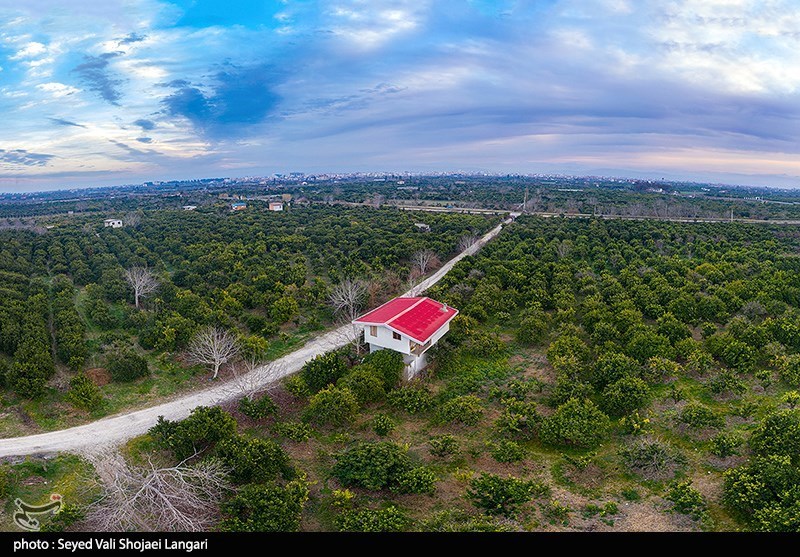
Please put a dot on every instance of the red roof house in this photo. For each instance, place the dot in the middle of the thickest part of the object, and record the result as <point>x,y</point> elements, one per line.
<point>409,326</point>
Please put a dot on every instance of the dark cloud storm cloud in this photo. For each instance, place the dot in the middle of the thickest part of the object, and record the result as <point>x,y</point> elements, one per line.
<point>94,72</point>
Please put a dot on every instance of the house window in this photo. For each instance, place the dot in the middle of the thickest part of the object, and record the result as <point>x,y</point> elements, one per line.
<point>395,335</point>
<point>373,330</point>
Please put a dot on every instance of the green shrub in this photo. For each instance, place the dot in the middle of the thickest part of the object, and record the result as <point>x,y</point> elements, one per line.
<point>696,415</point>
<point>203,429</point>
<point>412,398</point>
<point>625,396</point>
<point>764,494</point>
<point>556,513</point>
<point>443,445</point>
<point>575,424</point>
<point>83,393</point>
<point>519,419</point>
<point>611,367</point>
<point>727,382</point>
<point>725,444</point>
<point>686,499</point>
<point>388,365</point>
<point>67,516</point>
<point>296,386</point>
<point>258,408</point>
<point>467,410</point>
<point>265,508</point>
<point>791,398</point>
<point>126,366</point>
<point>383,425</point>
<point>789,370</point>
<point>253,460</point>
<point>416,480</point>
<point>367,386</point>
<point>390,519</point>
<point>334,405</point>
<point>778,434</point>
<point>658,369</point>
<point>502,496</point>
<point>324,370</point>
<point>296,431</point>
<point>372,465</point>
<point>507,451</point>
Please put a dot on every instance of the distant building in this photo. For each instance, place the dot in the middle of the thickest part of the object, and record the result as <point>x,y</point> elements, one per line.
<point>189,207</point>
<point>422,226</point>
<point>113,223</point>
<point>238,206</point>
<point>409,326</point>
<point>276,206</point>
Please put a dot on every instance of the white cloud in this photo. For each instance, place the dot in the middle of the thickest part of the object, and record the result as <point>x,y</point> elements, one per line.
<point>57,90</point>
<point>29,50</point>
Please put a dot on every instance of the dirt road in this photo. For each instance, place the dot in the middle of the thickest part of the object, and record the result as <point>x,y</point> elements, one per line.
<point>117,429</point>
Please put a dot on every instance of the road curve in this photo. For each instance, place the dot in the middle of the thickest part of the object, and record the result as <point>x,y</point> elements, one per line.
<point>120,427</point>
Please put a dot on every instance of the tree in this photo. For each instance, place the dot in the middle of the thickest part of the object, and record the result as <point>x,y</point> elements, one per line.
<point>266,508</point>
<point>467,241</point>
<point>502,496</point>
<point>372,465</point>
<point>624,396</point>
<point>83,393</point>
<point>143,282</point>
<point>323,370</point>
<point>423,260</point>
<point>151,498</point>
<point>127,365</point>
<point>199,432</point>
<point>575,423</point>
<point>213,347</point>
<point>253,459</point>
<point>334,405</point>
<point>347,298</point>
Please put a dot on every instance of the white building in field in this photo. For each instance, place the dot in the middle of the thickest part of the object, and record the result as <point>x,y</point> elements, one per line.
<point>409,326</point>
<point>113,223</point>
<point>276,206</point>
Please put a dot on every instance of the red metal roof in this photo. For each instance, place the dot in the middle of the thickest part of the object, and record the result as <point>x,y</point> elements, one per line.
<point>418,318</point>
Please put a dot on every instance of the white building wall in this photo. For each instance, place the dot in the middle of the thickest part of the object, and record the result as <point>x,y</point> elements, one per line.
<point>385,339</point>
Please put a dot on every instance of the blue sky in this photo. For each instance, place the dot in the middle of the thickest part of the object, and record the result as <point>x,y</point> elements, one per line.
<point>101,92</point>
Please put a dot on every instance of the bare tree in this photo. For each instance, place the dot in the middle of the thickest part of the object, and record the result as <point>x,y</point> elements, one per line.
<point>150,498</point>
<point>423,260</point>
<point>213,347</point>
<point>143,282</point>
<point>467,241</point>
<point>133,219</point>
<point>347,298</point>
<point>251,377</point>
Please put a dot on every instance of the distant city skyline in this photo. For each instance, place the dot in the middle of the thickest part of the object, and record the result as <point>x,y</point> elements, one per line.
<point>112,92</point>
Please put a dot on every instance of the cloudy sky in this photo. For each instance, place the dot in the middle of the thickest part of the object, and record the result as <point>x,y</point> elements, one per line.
<point>96,92</point>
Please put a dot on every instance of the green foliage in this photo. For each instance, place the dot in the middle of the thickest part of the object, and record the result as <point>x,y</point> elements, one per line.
<point>83,393</point>
<point>203,429</point>
<point>66,517</point>
<point>467,410</point>
<point>323,370</point>
<point>519,419</point>
<point>575,424</point>
<point>624,396</point>
<point>686,499</point>
<point>414,399</point>
<point>265,508</point>
<point>507,451</point>
<point>533,327</point>
<point>258,407</point>
<point>296,385</point>
<point>126,365</point>
<point>296,431</point>
<point>611,367</point>
<point>556,513</point>
<point>332,406</point>
<point>252,459</point>
<point>387,365</point>
<point>415,480</point>
<point>725,444</point>
<point>764,493</point>
<point>370,465</point>
<point>390,519</point>
<point>696,415</point>
<point>383,425</point>
<point>365,384</point>
<point>790,370</point>
<point>503,496</point>
<point>778,434</point>
<point>727,382</point>
<point>443,445</point>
